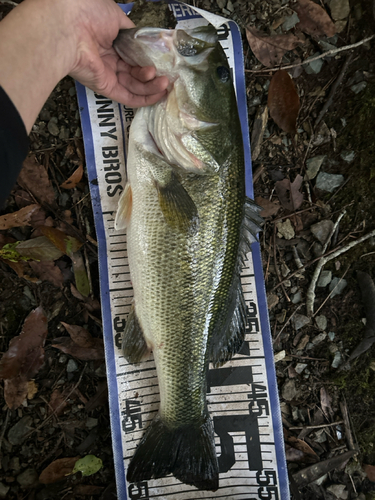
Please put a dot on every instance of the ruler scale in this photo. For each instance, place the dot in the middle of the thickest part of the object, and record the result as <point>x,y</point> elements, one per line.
<point>242,395</point>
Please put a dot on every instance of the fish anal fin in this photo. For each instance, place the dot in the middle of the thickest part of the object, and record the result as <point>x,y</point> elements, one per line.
<point>179,210</point>
<point>134,345</point>
<point>124,208</point>
<point>187,452</point>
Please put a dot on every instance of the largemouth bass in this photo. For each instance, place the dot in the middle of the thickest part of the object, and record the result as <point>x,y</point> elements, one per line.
<point>189,226</point>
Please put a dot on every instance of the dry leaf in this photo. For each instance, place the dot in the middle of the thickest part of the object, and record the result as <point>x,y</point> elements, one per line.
<point>58,470</point>
<point>325,401</point>
<point>58,401</point>
<point>369,471</point>
<point>87,490</point>
<point>79,335</point>
<point>23,359</point>
<point>269,207</point>
<point>80,274</point>
<point>65,243</point>
<point>292,454</point>
<point>20,218</point>
<point>288,192</point>
<point>32,389</point>
<point>40,248</point>
<point>269,50</point>
<point>34,178</point>
<point>314,20</point>
<point>48,271</point>
<point>283,101</point>
<point>74,179</point>
<point>309,455</point>
<point>81,344</point>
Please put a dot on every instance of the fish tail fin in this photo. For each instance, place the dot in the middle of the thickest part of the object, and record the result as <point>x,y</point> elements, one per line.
<point>187,452</point>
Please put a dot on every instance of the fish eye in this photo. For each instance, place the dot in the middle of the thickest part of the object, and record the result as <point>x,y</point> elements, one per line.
<point>187,50</point>
<point>223,73</point>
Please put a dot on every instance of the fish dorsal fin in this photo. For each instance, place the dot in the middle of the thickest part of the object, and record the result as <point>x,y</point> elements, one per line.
<point>134,345</point>
<point>124,208</point>
<point>229,330</point>
<point>179,210</point>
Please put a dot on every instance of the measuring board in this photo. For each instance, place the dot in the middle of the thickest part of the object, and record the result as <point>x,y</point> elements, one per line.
<point>242,395</point>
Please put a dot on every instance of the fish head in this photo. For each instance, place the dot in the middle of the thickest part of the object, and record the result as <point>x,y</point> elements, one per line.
<point>192,126</point>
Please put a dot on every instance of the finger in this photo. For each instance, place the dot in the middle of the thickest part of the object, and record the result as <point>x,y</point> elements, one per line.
<point>124,96</point>
<point>144,74</point>
<point>124,21</point>
<point>137,87</point>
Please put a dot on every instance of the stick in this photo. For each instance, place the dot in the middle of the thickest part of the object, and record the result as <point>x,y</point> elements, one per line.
<point>312,427</point>
<point>308,61</point>
<point>345,415</point>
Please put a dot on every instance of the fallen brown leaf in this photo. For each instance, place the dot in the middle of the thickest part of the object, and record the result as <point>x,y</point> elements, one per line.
<point>48,271</point>
<point>74,179</point>
<point>288,192</point>
<point>81,344</point>
<point>283,101</point>
<point>34,178</point>
<point>58,401</point>
<point>314,20</point>
<point>292,454</point>
<point>325,401</point>
<point>269,50</point>
<point>309,455</point>
<point>15,391</point>
<point>269,207</point>
<point>39,248</point>
<point>87,489</point>
<point>65,243</point>
<point>18,219</point>
<point>369,470</point>
<point>58,470</point>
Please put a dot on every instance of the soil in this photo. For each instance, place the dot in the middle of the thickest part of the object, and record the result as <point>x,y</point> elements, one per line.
<point>318,388</point>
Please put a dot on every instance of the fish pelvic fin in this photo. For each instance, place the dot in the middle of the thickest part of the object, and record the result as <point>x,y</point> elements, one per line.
<point>229,330</point>
<point>134,345</point>
<point>187,452</point>
<point>179,210</point>
<point>124,208</point>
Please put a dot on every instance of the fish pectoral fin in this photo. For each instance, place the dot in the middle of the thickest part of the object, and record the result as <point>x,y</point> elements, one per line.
<point>187,452</point>
<point>134,345</point>
<point>124,208</point>
<point>179,210</point>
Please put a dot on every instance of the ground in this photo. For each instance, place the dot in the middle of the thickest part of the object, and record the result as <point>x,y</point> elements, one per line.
<point>327,404</point>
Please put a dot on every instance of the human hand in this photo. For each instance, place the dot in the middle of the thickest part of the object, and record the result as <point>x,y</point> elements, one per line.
<point>98,66</point>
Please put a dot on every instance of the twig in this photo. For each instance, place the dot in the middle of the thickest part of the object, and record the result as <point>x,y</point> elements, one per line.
<point>275,260</point>
<point>333,89</point>
<point>308,61</point>
<point>297,260</point>
<point>306,357</point>
<point>331,292</point>
<point>310,296</point>
<point>312,427</point>
<point>348,433</point>
<point>5,425</point>
<point>332,232</point>
<point>286,322</point>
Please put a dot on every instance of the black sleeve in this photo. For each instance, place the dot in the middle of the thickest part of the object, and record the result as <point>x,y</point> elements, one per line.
<point>14,145</point>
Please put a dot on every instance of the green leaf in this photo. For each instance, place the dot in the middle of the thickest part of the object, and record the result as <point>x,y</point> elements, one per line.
<point>80,274</point>
<point>9,252</point>
<point>88,465</point>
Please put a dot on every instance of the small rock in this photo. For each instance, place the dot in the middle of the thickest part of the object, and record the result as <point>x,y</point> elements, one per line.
<point>320,436</point>
<point>322,136</point>
<point>336,360</point>
<point>284,270</point>
<point>358,87</point>
<point>17,433</point>
<point>319,338</point>
<point>28,478</point>
<point>338,285</point>
<point>321,230</point>
<point>320,480</point>
<point>338,490</point>
<point>254,101</point>
<point>297,297</point>
<point>290,22</point>
<point>4,490</point>
<point>45,115</point>
<point>321,322</point>
<point>221,3</point>
<point>324,278</point>
<point>317,249</point>
<point>72,366</point>
<point>313,165</point>
<point>230,6</point>
<point>272,300</point>
<point>280,318</point>
<point>348,156</point>
<point>303,343</point>
<point>299,321</point>
<point>285,229</point>
<point>279,356</point>
<point>72,91</point>
<point>331,335</point>
<point>52,126</point>
<point>64,133</point>
<point>329,182</point>
<point>340,9</point>
<point>91,422</point>
<point>300,367</point>
<point>78,132</point>
<point>314,67</point>
<point>289,390</point>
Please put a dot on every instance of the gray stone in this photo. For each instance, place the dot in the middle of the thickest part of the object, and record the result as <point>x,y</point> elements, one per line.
<point>313,165</point>
<point>18,432</point>
<point>320,436</point>
<point>299,321</point>
<point>321,322</point>
<point>296,298</point>
<point>52,126</point>
<point>230,6</point>
<point>221,3</point>
<point>28,478</point>
<point>72,91</point>
<point>272,300</point>
<point>285,229</point>
<point>331,335</point>
<point>321,230</point>
<point>290,22</point>
<point>64,133</point>
<point>339,9</point>
<point>337,490</point>
<point>71,366</point>
<point>254,101</point>
<point>289,390</point>
<point>348,156</point>
<point>91,422</point>
<point>329,182</point>
<point>324,278</point>
<point>314,67</point>
<point>336,360</point>
<point>300,367</point>
<point>45,115</point>
<point>358,87</point>
<point>319,338</point>
<point>4,490</point>
<point>338,285</point>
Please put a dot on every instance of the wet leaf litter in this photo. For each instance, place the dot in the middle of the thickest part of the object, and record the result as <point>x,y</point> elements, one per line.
<point>293,256</point>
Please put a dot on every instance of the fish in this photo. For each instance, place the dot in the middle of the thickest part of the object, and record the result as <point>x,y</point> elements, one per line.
<point>189,227</point>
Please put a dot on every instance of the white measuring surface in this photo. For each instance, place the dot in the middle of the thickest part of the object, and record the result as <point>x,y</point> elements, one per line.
<point>242,395</point>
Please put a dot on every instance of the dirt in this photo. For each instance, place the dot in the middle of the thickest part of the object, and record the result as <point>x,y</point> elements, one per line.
<point>80,426</point>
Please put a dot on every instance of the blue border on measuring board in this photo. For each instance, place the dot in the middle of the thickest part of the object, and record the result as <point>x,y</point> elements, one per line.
<point>104,278</point>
